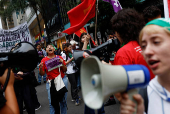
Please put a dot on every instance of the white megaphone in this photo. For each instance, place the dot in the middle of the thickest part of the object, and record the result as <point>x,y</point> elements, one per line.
<point>99,81</point>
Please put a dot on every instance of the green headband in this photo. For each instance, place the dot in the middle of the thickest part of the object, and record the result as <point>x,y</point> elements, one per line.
<point>163,22</point>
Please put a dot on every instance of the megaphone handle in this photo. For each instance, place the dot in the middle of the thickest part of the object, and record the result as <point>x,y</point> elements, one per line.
<point>96,111</point>
<point>130,94</point>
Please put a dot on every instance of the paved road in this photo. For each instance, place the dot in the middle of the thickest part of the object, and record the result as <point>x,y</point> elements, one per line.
<point>72,109</point>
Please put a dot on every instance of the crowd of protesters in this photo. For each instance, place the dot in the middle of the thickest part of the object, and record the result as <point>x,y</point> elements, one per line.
<point>144,39</point>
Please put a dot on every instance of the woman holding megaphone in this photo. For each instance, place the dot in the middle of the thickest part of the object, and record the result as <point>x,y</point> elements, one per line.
<point>85,43</point>
<point>155,43</point>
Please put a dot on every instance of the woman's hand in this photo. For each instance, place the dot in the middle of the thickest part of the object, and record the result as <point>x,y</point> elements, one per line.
<point>106,63</point>
<point>40,65</point>
<point>96,44</point>
<point>18,76</point>
<point>128,106</point>
<point>87,38</point>
<point>61,60</point>
<point>72,58</point>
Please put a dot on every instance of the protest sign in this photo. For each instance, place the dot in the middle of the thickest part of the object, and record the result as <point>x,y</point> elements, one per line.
<point>53,63</point>
<point>8,38</point>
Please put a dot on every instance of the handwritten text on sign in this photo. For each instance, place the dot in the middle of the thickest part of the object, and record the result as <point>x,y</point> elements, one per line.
<point>53,63</point>
<point>8,38</point>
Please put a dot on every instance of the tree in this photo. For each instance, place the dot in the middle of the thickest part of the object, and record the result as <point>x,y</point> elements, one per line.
<point>3,13</point>
<point>47,9</point>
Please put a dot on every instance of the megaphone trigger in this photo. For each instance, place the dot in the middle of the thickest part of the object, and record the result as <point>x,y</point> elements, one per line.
<point>130,94</point>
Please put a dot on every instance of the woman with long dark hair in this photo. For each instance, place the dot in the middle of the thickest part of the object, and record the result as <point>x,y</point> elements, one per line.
<point>85,42</point>
<point>69,60</point>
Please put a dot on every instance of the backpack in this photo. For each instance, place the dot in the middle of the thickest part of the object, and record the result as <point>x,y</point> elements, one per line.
<point>143,93</point>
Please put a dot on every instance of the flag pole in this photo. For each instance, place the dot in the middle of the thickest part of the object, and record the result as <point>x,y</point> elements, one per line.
<point>90,36</point>
<point>73,35</point>
<point>166,12</point>
<point>96,23</point>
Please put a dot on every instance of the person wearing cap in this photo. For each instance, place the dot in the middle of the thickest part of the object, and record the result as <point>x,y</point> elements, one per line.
<point>154,40</point>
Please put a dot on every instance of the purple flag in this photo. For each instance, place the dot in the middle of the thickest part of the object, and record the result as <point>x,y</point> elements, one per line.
<point>115,3</point>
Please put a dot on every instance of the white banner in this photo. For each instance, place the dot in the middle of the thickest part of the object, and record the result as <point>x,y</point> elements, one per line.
<point>8,38</point>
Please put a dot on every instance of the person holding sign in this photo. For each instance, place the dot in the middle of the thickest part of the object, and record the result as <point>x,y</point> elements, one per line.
<point>53,72</point>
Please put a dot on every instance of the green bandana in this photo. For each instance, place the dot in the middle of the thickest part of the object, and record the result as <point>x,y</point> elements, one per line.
<point>54,47</point>
<point>163,22</point>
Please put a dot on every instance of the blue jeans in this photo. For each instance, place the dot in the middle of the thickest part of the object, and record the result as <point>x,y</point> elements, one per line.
<point>88,110</point>
<point>78,81</point>
<point>63,104</point>
<point>39,77</point>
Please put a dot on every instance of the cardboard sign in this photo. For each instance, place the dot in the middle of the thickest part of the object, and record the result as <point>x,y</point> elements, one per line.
<point>53,63</point>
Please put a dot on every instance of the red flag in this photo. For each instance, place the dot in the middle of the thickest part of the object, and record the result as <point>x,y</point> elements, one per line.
<point>80,15</point>
<point>83,30</point>
<point>79,32</point>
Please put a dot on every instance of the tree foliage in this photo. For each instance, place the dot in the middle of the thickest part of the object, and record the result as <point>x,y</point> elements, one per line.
<point>47,9</point>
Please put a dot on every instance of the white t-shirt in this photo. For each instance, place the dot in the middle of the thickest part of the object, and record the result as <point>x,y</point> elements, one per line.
<point>70,69</point>
<point>158,98</point>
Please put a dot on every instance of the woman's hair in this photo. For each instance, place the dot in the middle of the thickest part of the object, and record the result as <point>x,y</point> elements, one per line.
<point>128,24</point>
<point>81,44</point>
<point>149,29</point>
<point>67,44</point>
<point>48,45</point>
<point>151,12</point>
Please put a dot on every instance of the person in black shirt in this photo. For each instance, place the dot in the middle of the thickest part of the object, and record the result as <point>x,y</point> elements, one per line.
<point>41,54</point>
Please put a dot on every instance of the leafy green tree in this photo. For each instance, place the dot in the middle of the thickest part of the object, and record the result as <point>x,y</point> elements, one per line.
<point>3,13</point>
<point>46,8</point>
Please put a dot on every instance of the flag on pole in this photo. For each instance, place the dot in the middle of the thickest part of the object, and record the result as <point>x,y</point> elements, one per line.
<point>83,30</point>
<point>115,3</point>
<point>79,32</point>
<point>38,37</point>
<point>80,15</point>
<point>166,8</point>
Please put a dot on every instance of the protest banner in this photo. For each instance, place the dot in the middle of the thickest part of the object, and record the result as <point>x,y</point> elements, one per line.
<point>8,38</point>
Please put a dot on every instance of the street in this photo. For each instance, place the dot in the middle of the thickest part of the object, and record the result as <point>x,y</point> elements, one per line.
<point>72,109</point>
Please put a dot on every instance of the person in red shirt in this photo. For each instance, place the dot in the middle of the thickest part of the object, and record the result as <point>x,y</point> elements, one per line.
<point>51,75</point>
<point>127,24</point>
